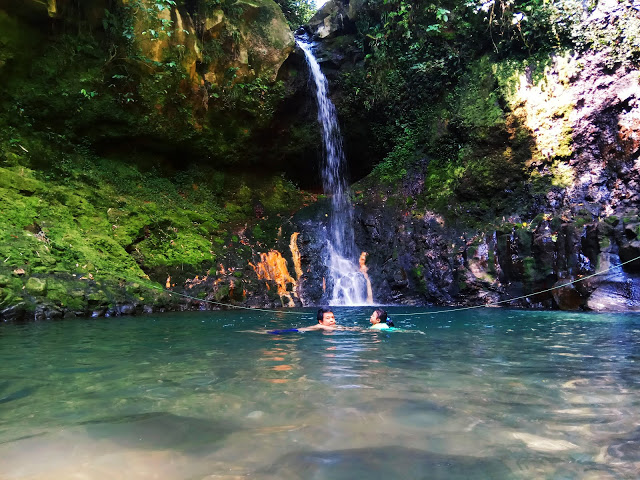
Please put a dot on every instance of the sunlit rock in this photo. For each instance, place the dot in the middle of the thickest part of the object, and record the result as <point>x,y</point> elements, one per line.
<point>334,18</point>
<point>254,43</point>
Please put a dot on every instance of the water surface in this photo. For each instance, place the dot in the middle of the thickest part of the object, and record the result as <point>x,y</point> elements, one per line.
<point>482,394</point>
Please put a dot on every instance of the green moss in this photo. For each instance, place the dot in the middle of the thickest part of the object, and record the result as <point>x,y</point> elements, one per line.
<point>582,219</point>
<point>67,294</point>
<point>36,286</point>
<point>530,272</point>
<point>417,272</point>
<point>112,221</point>
<point>508,73</point>
<point>441,181</point>
<point>97,299</point>
<point>258,233</point>
<point>478,106</point>
<point>222,293</point>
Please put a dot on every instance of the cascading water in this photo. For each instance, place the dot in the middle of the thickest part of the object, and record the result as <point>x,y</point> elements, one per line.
<point>347,283</point>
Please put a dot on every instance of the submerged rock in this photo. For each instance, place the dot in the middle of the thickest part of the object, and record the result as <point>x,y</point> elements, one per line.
<point>384,463</point>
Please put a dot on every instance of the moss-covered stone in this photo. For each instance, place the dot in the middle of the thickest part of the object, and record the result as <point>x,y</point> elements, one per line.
<point>36,286</point>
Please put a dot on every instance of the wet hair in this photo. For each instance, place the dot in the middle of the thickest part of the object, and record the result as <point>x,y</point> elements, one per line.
<point>321,312</point>
<point>382,315</point>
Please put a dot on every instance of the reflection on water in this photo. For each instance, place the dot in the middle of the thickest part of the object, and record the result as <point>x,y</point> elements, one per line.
<point>485,394</point>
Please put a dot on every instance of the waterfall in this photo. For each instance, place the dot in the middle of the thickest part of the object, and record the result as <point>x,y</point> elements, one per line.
<point>347,283</point>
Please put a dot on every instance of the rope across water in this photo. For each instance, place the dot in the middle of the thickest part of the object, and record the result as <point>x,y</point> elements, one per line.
<point>449,310</point>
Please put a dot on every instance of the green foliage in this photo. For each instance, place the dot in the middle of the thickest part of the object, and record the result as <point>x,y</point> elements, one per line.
<point>297,12</point>
<point>619,35</point>
<point>527,25</point>
<point>431,94</point>
<point>158,24</point>
<point>257,98</point>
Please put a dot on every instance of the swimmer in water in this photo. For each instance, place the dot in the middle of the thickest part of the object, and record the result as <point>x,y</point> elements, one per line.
<point>380,321</point>
<point>326,321</point>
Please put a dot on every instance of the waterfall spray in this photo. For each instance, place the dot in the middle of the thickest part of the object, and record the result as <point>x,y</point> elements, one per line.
<point>347,283</point>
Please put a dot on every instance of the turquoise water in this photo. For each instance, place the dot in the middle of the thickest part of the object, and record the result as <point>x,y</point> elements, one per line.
<point>481,394</point>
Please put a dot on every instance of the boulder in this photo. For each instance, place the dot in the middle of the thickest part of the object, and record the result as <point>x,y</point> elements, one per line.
<point>613,297</point>
<point>36,286</point>
<point>333,19</point>
<point>254,43</point>
<point>16,312</point>
<point>630,252</point>
<point>567,297</point>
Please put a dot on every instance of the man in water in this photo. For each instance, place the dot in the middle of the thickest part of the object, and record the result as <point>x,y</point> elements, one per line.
<point>326,321</point>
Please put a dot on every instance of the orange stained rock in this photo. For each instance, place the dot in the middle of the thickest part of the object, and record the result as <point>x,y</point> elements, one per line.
<point>273,266</point>
<point>276,380</point>
<point>168,283</point>
<point>364,270</point>
<point>295,253</point>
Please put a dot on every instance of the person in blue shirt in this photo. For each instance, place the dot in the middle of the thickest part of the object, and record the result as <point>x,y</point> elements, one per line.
<point>380,320</point>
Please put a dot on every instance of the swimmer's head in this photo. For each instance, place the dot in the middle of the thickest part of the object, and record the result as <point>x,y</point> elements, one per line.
<point>380,316</point>
<point>326,317</point>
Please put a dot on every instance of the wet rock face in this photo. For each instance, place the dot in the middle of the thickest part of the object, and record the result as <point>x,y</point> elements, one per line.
<point>409,259</point>
<point>606,126</point>
<point>416,259</point>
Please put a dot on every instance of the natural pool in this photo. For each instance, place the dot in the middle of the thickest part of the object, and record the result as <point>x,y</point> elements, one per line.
<point>482,394</point>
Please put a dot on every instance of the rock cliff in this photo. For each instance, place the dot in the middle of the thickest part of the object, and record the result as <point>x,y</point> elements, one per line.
<point>563,131</point>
